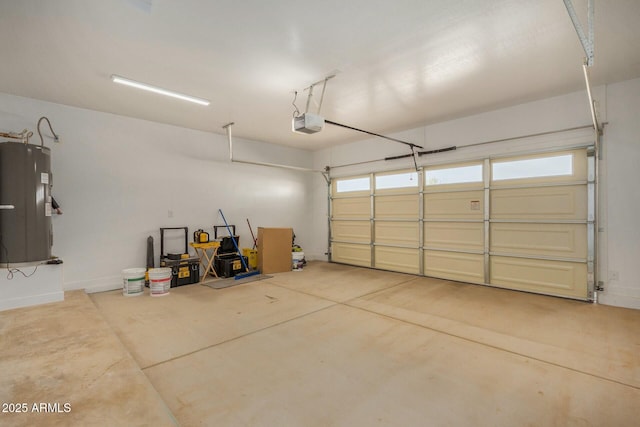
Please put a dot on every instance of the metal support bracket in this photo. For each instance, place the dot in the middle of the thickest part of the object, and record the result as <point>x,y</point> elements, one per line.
<point>592,103</point>
<point>585,40</point>
<point>227,128</point>
<point>588,45</point>
<point>326,173</point>
<point>310,96</point>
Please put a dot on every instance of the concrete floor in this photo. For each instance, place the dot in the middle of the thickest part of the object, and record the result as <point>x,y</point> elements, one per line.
<point>329,345</point>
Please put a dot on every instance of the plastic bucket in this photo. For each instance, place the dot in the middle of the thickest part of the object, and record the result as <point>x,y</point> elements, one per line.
<point>159,281</point>
<point>297,261</point>
<point>252,257</point>
<point>133,281</point>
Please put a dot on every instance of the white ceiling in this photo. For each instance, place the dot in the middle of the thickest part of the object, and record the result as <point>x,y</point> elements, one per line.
<point>400,63</point>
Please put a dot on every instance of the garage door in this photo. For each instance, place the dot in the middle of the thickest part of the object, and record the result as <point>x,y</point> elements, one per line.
<point>539,220</point>
<point>351,221</point>
<point>524,222</point>
<point>396,219</point>
<point>453,223</point>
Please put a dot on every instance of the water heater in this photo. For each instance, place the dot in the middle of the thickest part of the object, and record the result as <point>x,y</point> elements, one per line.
<point>25,203</point>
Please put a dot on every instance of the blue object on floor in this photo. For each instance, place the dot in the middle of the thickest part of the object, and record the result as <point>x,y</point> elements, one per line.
<point>235,244</point>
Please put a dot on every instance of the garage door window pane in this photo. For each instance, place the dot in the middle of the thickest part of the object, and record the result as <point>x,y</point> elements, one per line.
<point>457,175</point>
<point>400,180</point>
<point>354,184</point>
<point>533,168</point>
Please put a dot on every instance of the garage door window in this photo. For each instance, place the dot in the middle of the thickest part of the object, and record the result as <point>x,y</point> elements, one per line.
<point>533,168</point>
<point>399,180</point>
<point>455,175</point>
<point>351,185</point>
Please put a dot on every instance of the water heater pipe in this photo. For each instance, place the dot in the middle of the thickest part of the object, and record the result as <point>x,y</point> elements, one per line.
<point>22,136</point>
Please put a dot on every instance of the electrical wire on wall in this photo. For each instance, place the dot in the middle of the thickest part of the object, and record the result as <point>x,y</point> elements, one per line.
<point>56,138</point>
<point>11,271</point>
<point>296,111</point>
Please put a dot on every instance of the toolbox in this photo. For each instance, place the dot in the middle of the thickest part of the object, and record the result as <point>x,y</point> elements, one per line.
<point>226,244</point>
<point>228,265</point>
<point>185,270</point>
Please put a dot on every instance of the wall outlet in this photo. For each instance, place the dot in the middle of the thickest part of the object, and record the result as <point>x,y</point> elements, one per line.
<point>614,275</point>
<point>170,214</point>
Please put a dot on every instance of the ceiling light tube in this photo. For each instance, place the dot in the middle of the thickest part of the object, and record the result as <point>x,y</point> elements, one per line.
<point>161,91</point>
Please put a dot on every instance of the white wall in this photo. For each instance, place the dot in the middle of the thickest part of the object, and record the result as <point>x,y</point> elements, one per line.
<point>619,250</point>
<point>120,179</point>
<point>35,285</point>
<point>622,169</point>
<point>117,179</point>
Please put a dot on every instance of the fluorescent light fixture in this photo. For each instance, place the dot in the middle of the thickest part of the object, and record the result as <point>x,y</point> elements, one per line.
<point>155,89</point>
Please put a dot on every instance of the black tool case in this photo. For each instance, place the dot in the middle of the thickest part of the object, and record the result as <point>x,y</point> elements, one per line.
<point>226,244</point>
<point>228,265</point>
<point>184,271</point>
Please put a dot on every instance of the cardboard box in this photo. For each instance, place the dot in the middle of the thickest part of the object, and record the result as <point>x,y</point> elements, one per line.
<point>274,249</point>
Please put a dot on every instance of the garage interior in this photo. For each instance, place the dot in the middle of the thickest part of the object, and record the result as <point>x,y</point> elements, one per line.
<point>460,176</point>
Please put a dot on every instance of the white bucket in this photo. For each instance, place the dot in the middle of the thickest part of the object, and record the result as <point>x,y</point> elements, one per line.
<point>297,259</point>
<point>159,281</point>
<point>133,281</point>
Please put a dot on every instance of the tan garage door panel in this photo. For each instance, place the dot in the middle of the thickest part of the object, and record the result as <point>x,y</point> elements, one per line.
<point>356,207</point>
<point>351,231</point>
<point>457,205</point>
<point>564,202</point>
<point>454,235</point>
<point>397,233</point>
<point>522,224</point>
<point>553,240</point>
<point>397,207</point>
<point>548,277</point>
<point>454,266</point>
<point>351,254</point>
<point>398,259</point>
